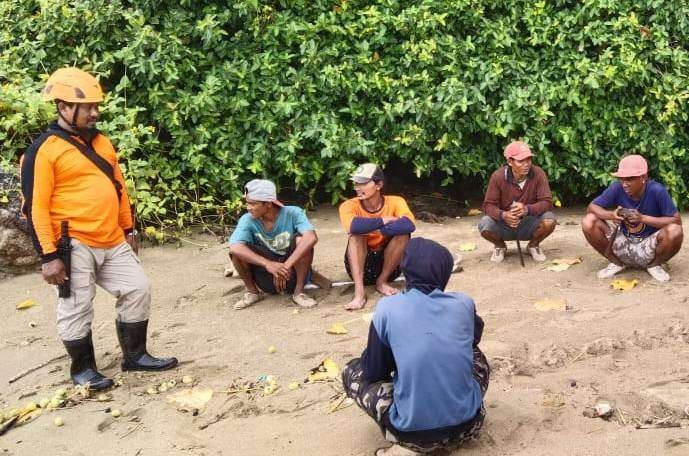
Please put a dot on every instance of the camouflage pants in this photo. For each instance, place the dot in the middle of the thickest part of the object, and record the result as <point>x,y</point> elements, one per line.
<point>635,252</point>
<point>376,398</point>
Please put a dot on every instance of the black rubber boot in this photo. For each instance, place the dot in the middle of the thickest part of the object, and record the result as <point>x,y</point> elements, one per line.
<point>83,369</point>
<point>132,338</point>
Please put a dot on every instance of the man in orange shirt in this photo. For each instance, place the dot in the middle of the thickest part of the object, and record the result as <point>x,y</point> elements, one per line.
<point>379,227</point>
<point>71,174</point>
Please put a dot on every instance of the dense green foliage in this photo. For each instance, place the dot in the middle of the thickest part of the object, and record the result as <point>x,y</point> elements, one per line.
<point>203,95</point>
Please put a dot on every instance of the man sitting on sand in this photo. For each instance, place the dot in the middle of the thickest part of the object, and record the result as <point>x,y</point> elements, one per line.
<point>272,247</point>
<point>429,338</point>
<point>517,204</point>
<point>378,227</point>
<point>649,228</point>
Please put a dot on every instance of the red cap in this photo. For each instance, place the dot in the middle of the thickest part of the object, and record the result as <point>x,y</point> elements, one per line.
<point>632,166</point>
<point>517,150</point>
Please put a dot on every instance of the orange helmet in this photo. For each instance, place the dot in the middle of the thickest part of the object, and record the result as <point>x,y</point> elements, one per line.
<point>73,86</point>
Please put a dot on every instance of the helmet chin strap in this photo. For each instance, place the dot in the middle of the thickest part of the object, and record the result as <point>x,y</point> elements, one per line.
<point>73,122</point>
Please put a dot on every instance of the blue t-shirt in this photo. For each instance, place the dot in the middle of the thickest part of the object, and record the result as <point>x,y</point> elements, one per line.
<point>655,201</point>
<point>431,337</point>
<point>290,221</point>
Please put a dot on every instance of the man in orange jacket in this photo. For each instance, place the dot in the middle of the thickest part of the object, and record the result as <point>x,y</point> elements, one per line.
<point>71,174</point>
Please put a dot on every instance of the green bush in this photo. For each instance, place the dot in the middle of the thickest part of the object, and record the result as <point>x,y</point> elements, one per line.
<point>204,95</point>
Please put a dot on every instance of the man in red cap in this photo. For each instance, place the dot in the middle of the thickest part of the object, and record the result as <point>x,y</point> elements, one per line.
<point>649,228</point>
<point>517,204</point>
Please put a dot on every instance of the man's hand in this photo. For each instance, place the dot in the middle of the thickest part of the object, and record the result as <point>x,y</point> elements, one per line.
<point>387,220</point>
<point>632,216</point>
<point>278,269</point>
<point>54,272</point>
<point>615,216</point>
<point>510,219</point>
<point>280,283</point>
<point>133,242</point>
<point>519,209</point>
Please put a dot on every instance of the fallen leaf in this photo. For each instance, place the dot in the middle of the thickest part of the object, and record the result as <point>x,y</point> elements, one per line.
<point>545,305</point>
<point>26,304</point>
<point>558,267</point>
<point>676,442</point>
<point>569,261</point>
<point>337,328</point>
<point>191,399</point>
<point>624,284</point>
<point>467,247</point>
<point>341,402</point>
<point>474,212</point>
<point>327,370</point>
<point>367,317</point>
<point>553,399</point>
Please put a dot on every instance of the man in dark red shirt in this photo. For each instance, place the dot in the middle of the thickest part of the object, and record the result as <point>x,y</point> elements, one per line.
<point>517,204</point>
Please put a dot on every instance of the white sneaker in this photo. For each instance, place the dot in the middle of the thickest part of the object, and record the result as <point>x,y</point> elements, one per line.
<point>536,254</point>
<point>658,273</point>
<point>498,254</point>
<point>610,270</point>
<point>304,300</point>
<point>456,263</point>
<point>396,450</point>
<point>247,300</point>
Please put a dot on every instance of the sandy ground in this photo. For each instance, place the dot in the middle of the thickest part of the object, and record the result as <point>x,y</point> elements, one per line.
<point>629,348</point>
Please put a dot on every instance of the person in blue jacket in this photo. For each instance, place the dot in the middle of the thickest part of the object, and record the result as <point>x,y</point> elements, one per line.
<point>422,377</point>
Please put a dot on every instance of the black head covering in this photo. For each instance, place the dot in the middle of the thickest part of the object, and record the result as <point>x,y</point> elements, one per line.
<point>426,265</point>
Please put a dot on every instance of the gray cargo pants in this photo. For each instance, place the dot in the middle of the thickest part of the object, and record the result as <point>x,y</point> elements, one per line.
<point>118,271</point>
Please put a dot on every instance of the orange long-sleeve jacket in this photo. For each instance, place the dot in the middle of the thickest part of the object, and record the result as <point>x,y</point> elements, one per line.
<point>60,183</point>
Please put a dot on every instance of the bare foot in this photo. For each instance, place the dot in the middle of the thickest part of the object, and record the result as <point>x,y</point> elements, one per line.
<point>386,289</point>
<point>357,303</point>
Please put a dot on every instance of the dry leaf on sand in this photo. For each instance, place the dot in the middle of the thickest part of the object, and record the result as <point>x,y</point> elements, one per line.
<point>557,267</point>
<point>339,403</point>
<point>337,328</point>
<point>467,247</point>
<point>325,371</point>
<point>545,305</point>
<point>191,399</point>
<point>26,304</point>
<point>624,284</point>
<point>473,212</point>
<point>569,261</point>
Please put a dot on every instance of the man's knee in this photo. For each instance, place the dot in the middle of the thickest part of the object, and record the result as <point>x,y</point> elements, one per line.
<point>357,239</point>
<point>589,222</point>
<point>489,229</point>
<point>135,301</point>
<point>674,233</point>
<point>399,239</point>
<point>487,224</point>
<point>548,224</point>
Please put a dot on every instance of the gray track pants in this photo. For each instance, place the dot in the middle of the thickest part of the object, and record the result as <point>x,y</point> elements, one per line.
<point>118,271</point>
